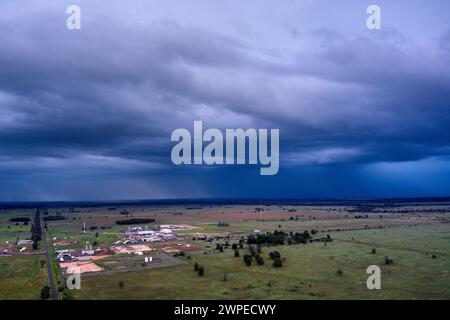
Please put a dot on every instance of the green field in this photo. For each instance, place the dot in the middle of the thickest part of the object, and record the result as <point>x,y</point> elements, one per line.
<point>9,231</point>
<point>309,272</point>
<point>21,277</point>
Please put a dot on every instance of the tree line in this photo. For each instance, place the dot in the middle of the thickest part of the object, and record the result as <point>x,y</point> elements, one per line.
<point>134,221</point>
<point>36,229</point>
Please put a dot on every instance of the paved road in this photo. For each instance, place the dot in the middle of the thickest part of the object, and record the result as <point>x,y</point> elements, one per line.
<point>51,279</point>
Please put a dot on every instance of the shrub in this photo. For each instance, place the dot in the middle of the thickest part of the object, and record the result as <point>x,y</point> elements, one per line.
<point>373,251</point>
<point>236,253</point>
<point>274,255</point>
<point>248,260</point>
<point>45,293</point>
<point>388,261</point>
<point>277,263</point>
<point>259,260</point>
<point>196,266</point>
<point>223,224</point>
<point>201,271</point>
<point>339,272</point>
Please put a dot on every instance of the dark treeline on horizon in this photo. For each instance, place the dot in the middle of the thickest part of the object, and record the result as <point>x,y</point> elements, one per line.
<point>227,201</point>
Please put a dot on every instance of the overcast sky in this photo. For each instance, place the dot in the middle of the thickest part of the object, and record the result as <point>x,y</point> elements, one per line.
<point>87,114</point>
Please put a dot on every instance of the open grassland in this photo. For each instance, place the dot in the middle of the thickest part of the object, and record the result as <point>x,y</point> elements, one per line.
<point>21,277</point>
<point>309,272</point>
<point>11,231</point>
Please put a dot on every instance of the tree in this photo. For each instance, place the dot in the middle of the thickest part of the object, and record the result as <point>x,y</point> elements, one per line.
<point>45,293</point>
<point>196,266</point>
<point>388,261</point>
<point>248,260</point>
<point>259,260</point>
<point>277,263</point>
<point>274,255</point>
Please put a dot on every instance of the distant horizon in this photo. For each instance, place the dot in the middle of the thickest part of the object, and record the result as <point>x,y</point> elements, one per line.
<point>221,201</point>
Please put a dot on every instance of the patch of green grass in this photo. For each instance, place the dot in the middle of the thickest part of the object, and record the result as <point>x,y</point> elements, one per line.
<point>10,232</point>
<point>21,277</point>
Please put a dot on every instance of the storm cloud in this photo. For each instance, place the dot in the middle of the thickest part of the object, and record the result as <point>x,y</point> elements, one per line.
<point>88,113</point>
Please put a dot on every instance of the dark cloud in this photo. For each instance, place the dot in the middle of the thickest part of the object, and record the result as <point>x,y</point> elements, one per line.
<point>105,99</point>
